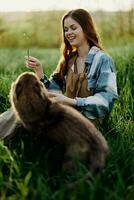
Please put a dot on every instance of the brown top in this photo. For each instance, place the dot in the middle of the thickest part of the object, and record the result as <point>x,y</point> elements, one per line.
<point>76,83</point>
<point>77,86</point>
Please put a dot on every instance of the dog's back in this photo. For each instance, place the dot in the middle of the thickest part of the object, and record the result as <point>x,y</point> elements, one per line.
<point>61,123</point>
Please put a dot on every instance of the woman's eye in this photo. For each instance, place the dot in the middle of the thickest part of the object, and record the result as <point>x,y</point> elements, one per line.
<point>73,28</point>
<point>65,29</point>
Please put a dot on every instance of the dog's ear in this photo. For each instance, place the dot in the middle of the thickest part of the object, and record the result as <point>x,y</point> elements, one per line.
<point>44,92</point>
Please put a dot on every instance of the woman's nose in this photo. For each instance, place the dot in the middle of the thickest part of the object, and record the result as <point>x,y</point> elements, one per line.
<point>69,32</point>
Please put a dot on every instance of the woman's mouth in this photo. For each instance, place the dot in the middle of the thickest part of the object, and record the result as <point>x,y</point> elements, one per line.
<point>71,39</point>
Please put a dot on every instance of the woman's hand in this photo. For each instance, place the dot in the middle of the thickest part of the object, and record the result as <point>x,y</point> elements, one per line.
<point>56,97</point>
<point>34,64</point>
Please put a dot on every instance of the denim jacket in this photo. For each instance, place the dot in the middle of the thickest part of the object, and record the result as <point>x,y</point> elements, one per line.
<point>101,79</point>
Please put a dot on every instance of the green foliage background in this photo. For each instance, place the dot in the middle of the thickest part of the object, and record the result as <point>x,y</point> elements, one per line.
<point>24,170</point>
<point>43,29</point>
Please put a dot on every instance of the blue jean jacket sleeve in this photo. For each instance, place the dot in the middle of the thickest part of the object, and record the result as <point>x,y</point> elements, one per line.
<point>105,91</point>
<point>53,83</point>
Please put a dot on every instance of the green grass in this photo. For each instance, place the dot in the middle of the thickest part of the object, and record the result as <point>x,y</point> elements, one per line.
<point>26,173</point>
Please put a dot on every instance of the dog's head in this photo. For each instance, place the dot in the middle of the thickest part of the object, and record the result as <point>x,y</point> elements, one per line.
<point>29,97</point>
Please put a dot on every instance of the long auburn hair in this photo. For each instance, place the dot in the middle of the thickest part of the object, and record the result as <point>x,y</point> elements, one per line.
<point>85,20</point>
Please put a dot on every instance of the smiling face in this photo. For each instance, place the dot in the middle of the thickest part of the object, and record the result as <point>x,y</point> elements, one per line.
<point>73,32</point>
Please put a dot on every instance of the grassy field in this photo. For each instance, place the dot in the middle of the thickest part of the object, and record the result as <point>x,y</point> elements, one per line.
<point>25,172</point>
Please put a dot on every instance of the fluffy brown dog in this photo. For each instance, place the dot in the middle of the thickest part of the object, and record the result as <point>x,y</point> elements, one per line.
<point>58,122</point>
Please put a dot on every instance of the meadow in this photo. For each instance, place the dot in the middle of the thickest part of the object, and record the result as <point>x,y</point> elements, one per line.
<point>24,171</point>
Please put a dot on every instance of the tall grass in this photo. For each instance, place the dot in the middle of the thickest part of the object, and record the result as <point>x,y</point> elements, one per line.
<point>25,173</point>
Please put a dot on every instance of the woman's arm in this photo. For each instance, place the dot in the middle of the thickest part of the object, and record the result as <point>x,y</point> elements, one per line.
<point>34,64</point>
<point>54,83</point>
<point>55,97</point>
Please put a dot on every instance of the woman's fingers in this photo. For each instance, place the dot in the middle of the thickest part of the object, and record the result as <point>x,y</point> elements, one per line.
<point>31,58</point>
<point>32,62</point>
<point>51,94</point>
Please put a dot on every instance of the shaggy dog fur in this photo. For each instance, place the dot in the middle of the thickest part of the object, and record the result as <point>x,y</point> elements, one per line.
<point>58,122</point>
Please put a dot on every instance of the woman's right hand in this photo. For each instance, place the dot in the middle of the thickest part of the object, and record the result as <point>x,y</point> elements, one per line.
<point>34,64</point>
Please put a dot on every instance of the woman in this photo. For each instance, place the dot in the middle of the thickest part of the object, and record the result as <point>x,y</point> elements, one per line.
<point>85,73</point>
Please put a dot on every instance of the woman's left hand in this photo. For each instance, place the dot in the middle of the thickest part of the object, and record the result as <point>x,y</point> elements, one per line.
<point>60,98</point>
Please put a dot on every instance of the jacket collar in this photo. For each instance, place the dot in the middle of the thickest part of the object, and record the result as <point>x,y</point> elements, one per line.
<point>89,59</point>
<point>92,52</point>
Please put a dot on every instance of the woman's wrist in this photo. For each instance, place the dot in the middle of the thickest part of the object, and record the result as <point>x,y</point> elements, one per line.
<point>39,73</point>
<point>72,102</point>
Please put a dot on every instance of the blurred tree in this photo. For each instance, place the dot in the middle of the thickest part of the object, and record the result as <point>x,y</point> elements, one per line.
<point>2,26</point>
<point>131,19</point>
<point>44,29</point>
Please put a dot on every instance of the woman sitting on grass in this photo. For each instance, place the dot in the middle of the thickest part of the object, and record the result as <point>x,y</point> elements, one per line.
<point>85,73</point>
